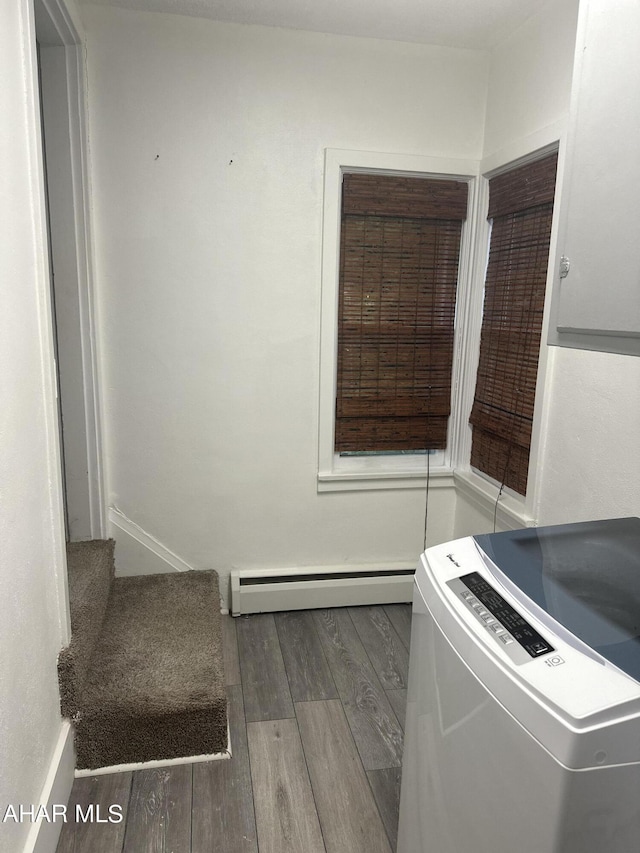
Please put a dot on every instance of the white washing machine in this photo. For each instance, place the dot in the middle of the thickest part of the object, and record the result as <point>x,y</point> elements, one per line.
<point>523,713</point>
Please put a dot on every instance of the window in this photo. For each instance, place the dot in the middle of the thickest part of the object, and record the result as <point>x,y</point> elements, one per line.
<point>389,467</point>
<point>399,254</point>
<point>520,210</point>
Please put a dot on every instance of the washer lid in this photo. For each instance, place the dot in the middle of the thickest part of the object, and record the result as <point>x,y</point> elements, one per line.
<point>586,576</point>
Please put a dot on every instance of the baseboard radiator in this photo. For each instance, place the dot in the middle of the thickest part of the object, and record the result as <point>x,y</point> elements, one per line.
<point>268,590</point>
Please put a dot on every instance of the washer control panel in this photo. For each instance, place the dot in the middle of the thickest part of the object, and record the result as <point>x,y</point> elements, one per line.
<point>504,624</point>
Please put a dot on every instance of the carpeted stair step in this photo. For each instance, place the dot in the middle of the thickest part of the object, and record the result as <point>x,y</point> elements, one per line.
<point>155,687</point>
<point>90,570</point>
<point>152,686</point>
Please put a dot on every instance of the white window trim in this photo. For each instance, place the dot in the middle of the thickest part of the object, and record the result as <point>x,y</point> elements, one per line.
<point>469,307</point>
<point>337,473</point>
<point>512,510</point>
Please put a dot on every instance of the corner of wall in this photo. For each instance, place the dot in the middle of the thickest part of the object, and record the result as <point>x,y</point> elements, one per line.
<point>43,836</point>
<point>530,83</point>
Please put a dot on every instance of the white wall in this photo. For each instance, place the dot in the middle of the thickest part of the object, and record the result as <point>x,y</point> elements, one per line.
<point>33,626</point>
<point>591,463</point>
<point>530,79</point>
<point>527,106</point>
<point>207,145</point>
<point>207,153</point>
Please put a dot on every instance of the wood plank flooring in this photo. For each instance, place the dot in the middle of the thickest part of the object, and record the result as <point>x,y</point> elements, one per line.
<point>286,816</point>
<point>316,713</point>
<point>373,723</point>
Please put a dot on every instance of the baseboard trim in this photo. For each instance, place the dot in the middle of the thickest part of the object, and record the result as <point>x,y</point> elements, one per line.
<point>43,835</point>
<point>138,552</point>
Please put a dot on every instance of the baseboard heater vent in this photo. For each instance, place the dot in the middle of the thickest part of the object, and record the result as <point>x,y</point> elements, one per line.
<point>268,590</point>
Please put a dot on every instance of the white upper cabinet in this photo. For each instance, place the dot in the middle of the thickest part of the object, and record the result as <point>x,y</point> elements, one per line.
<point>597,304</point>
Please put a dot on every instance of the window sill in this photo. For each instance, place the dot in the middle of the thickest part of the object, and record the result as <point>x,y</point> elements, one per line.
<point>511,513</point>
<point>439,478</point>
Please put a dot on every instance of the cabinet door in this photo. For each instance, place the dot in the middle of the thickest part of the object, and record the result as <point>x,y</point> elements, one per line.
<point>597,305</point>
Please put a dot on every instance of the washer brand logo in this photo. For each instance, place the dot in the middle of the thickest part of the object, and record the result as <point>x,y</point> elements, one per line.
<point>453,560</point>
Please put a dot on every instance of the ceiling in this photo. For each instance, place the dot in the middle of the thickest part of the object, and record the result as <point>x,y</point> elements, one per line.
<point>476,24</point>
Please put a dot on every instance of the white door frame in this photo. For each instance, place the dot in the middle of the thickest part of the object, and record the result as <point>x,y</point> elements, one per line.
<point>64,92</point>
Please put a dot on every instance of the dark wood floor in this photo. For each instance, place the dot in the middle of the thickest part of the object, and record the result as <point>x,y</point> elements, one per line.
<point>316,709</point>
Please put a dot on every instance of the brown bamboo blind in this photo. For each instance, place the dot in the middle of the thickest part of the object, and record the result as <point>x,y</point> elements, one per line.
<point>521,207</point>
<point>400,244</point>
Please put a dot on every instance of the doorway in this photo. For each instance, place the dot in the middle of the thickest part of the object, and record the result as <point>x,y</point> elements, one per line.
<point>63,117</point>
